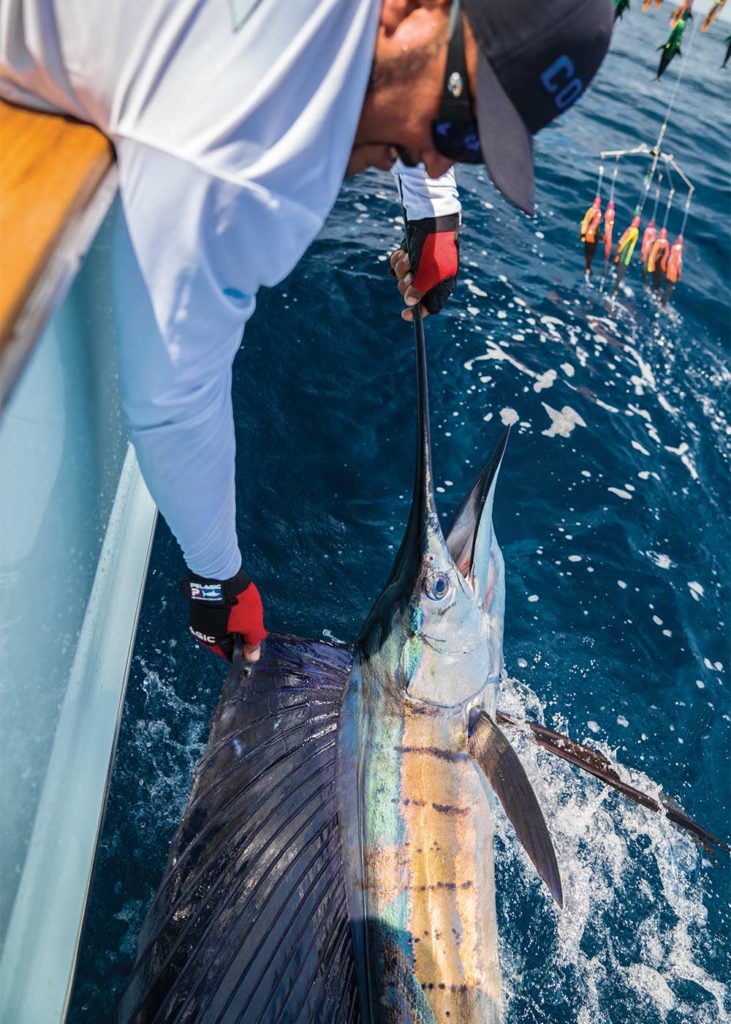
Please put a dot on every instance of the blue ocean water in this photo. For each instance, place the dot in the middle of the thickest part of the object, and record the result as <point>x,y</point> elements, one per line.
<point>612,512</point>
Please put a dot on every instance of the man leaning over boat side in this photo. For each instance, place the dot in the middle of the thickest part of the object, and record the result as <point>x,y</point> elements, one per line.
<point>234,123</point>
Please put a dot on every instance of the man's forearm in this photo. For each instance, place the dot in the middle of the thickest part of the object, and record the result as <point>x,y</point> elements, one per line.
<point>187,459</point>
<point>423,196</point>
<point>177,403</point>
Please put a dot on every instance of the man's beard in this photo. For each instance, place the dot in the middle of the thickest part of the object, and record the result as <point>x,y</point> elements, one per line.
<point>400,70</point>
<point>391,72</point>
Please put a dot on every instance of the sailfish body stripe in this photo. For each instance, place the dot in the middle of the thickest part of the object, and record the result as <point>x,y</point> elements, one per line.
<point>417,823</point>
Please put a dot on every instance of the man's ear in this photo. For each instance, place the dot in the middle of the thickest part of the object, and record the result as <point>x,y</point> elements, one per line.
<point>413,20</point>
<point>393,13</point>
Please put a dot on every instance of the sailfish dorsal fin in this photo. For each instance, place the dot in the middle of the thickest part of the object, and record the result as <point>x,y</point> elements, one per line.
<point>250,921</point>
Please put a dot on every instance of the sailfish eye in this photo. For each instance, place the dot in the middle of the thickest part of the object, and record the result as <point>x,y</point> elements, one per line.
<point>437,586</point>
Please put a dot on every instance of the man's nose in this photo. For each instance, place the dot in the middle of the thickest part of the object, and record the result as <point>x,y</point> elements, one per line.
<point>436,164</point>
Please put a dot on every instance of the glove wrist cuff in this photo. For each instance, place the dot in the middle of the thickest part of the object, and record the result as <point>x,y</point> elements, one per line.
<point>444,222</point>
<point>214,592</point>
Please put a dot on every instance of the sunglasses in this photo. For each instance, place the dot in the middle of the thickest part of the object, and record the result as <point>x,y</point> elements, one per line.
<point>454,131</point>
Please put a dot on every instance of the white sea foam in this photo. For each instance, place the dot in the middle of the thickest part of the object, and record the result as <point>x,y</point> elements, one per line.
<point>545,380</point>
<point>660,560</point>
<point>650,984</point>
<point>329,635</point>
<point>131,915</point>
<point>563,422</point>
<point>508,416</point>
<point>638,447</point>
<point>646,378</point>
<point>472,287</point>
<point>682,451</point>
<point>616,859</point>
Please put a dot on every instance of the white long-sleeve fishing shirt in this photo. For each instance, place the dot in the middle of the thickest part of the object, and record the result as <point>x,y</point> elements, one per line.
<point>232,122</point>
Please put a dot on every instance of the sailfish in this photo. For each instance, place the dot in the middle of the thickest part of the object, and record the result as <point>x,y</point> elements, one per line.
<point>335,860</point>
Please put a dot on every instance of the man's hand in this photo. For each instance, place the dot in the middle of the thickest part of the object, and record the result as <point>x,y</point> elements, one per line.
<point>220,608</point>
<point>434,247</point>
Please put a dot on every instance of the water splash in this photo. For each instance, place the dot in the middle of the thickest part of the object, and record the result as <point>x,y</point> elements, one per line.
<point>612,854</point>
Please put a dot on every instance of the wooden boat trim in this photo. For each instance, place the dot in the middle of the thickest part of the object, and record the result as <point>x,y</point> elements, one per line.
<point>57,182</point>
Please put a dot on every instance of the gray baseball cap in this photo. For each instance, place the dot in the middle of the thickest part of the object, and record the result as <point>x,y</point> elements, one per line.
<point>536,57</point>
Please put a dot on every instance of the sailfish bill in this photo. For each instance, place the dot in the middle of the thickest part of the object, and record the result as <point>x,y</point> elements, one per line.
<point>463,534</point>
<point>335,859</point>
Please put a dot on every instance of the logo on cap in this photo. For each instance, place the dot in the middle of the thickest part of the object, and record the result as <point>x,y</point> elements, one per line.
<point>455,84</point>
<point>562,82</point>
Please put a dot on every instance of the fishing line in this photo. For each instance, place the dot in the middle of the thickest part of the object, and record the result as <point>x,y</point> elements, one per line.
<point>657,195</point>
<point>645,190</point>
<point>610,202</point>
<point>671,194</point>
<point>657,148</point>
<point>652,174</point>
<point>614,180</point>
<point>599,180</point>
<point>671,104</point>
<point>668,208</point>
<point>685,215</point>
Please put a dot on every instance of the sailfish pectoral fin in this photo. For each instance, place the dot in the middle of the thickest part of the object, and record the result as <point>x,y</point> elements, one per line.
<point>502,768</point>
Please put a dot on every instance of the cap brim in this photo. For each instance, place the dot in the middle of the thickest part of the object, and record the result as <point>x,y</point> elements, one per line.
<point>506,143</point>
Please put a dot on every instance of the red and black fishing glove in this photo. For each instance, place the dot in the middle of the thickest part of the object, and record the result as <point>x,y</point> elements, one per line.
<point>433,248</point>
<point>219,608</point>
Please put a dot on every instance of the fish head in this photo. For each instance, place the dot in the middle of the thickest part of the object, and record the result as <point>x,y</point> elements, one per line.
<point>435,632</point>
